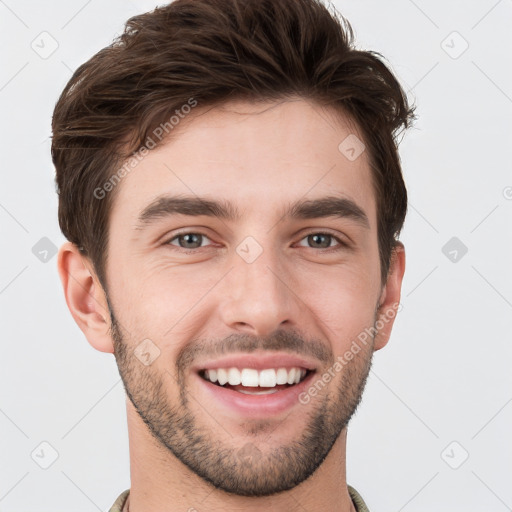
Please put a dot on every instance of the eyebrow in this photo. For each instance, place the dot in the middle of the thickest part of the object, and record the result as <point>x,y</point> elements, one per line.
<point>168,205</point>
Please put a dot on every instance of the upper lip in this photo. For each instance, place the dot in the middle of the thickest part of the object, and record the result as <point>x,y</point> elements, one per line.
<point>257,361</point>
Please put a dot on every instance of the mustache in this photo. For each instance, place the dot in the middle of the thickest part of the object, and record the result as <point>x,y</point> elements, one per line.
<point>279,341</point>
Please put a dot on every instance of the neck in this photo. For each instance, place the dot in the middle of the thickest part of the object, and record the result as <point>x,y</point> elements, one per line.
<point>160,481</point>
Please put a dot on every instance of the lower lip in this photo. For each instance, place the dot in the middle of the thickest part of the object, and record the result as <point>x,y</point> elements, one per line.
<point>256,405</point>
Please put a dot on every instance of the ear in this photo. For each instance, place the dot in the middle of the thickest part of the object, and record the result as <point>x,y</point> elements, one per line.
<point>390,297</point>
<point>85,297</point>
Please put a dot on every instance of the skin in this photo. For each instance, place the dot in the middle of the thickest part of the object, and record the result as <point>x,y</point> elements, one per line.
<point>185,451</point>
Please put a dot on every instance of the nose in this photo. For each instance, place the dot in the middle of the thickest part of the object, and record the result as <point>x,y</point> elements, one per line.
<point>258,297</point>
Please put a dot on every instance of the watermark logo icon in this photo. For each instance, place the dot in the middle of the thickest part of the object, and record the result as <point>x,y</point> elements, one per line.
<point>351,147</point>
<point>249,453</point>
<point>44,45</point>
<point>44,250</point>
<point>44,455</point>
<point>507,193</point>
<point>455,455</point>
<point>249,249</point>
<point>146,352</point>
<point>454,45</point>
<point>454,249</point>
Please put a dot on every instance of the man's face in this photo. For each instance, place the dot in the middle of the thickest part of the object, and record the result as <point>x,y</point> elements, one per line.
<point>266,283</point>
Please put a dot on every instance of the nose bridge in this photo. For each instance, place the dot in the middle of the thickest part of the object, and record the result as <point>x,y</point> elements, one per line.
<point>257,297</point>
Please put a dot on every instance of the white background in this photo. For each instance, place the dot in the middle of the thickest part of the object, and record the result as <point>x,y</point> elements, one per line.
<point>445,375</point>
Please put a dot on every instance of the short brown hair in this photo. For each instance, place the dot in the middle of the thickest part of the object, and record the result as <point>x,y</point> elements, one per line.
<point>214,51</point>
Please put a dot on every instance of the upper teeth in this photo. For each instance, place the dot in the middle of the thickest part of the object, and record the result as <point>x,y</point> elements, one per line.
<point>267,378</point>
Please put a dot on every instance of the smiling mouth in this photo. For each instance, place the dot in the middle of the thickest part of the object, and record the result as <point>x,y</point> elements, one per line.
<point>255,382</point>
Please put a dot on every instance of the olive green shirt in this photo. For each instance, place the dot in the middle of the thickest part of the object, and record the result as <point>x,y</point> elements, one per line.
<point>356,499</point>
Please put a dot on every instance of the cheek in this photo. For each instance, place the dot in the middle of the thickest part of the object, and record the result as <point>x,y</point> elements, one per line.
<point>342,302</point>
<point>159,299</point>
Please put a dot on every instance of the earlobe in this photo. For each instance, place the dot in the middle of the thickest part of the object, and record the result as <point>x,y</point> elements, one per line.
<point>85,297</point>
<point>390,297</point>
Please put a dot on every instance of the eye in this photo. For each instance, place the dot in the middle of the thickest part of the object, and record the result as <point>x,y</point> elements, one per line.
<point>323,241</point>
<point>191,240</point>
<point>188,240</point>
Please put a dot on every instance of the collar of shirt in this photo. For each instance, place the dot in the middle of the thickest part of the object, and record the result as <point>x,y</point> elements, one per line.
<point>354,495</point>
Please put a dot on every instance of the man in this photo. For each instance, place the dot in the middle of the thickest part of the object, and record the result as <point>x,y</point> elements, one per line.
<point>231,190</point>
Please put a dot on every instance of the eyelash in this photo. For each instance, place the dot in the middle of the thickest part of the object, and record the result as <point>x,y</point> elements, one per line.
<point>341,244</point>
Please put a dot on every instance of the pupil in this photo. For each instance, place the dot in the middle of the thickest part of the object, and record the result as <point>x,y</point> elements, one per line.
<point>317,237</point>
<point>188,240</point>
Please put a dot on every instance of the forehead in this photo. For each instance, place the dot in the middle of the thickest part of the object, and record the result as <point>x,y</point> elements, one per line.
<point>257,156</point>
